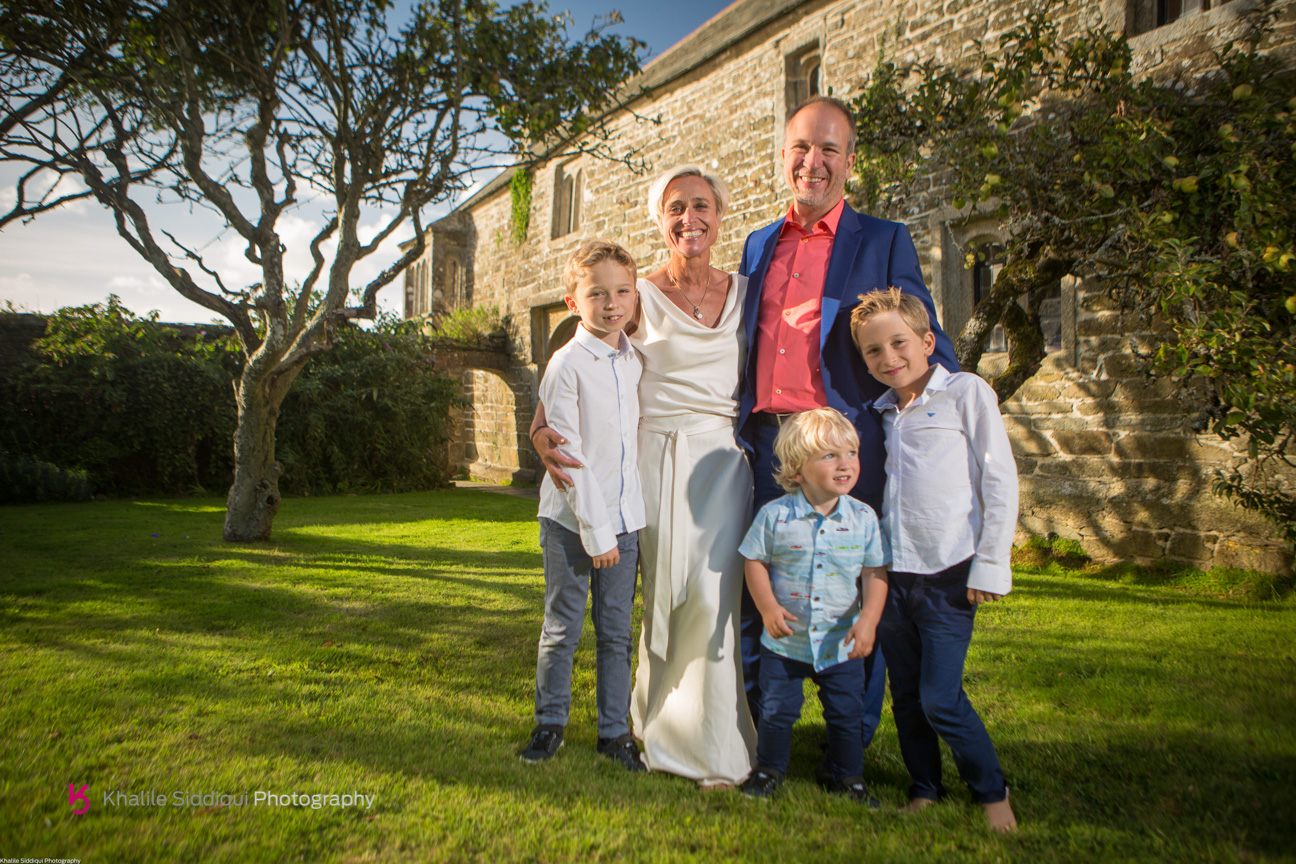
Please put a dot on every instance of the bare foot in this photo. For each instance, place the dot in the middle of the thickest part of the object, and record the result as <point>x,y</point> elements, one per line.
<point>916,804</point>
<point>715,786</point>
<point>1000,816</point>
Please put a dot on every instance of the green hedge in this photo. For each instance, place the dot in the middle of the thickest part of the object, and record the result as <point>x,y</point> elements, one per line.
<point>147,409</point>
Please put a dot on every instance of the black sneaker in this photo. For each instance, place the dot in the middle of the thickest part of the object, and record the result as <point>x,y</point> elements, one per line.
<point>762,783</point>
<point>855,789</point>
<point>622,751</point>
<point>545,741</point>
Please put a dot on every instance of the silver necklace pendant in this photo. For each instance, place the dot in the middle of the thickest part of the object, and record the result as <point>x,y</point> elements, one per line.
<point>697,313</point>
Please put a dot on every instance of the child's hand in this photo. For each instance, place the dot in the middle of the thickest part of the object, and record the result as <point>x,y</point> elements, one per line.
<point>776,622</point>
<point>607,559</point>
<point>976,595</point>
<point>861,639</point>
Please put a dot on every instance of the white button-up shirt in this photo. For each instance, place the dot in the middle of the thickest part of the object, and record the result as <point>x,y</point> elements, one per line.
<point>951,488</point>
<point>590,397</point>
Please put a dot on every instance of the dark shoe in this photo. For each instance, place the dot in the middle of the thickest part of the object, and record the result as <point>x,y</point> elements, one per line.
<point>762,783</point>
<point>545,741</point>
<point>855,789</point>
<point>623,751</point>
<point>823,774</point>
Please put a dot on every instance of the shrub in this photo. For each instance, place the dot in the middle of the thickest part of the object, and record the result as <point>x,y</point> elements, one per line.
<point>25,481</point>
<point>147,409</point>
<point>140,406</point>
<point>369,415</point>
<point>481,325</point>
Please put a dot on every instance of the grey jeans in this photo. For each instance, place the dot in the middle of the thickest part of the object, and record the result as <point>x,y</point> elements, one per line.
<point>569,578</point>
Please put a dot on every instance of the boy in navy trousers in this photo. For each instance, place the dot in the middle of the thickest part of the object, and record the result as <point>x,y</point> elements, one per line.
<point>950,512</point>
<point>816,571</point>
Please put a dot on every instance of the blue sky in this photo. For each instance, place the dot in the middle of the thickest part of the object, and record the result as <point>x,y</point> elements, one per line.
<point>73,256</point>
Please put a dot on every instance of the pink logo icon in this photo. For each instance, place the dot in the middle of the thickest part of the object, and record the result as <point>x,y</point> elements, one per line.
<point>75,795</point>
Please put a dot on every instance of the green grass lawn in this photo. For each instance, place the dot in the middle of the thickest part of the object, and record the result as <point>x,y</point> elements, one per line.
<point>386,646</point>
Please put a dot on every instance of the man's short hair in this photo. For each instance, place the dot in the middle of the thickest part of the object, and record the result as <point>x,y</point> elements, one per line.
<point>875,303</point>
<point>594,252</point>
<point>852,136</point>
<point>809,432</point>
<point>657,188</point>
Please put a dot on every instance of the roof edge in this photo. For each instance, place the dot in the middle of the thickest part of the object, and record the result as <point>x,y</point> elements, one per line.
<point>726,28</point>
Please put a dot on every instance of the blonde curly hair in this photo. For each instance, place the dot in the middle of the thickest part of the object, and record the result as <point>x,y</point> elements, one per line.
<point>805,433</point>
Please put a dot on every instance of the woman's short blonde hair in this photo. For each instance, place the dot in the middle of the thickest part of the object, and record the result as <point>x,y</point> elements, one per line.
<point>809,432</point>
<point>657,189</point>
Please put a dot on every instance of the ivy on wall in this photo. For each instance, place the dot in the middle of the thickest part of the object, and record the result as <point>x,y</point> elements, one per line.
<point>520,190</point>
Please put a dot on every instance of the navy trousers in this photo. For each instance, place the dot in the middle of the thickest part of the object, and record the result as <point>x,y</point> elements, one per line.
<point>841,693</point>
<point>925,631</point>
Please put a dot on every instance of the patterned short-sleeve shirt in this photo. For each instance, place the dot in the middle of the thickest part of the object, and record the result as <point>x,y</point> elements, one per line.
<point>815,564</point>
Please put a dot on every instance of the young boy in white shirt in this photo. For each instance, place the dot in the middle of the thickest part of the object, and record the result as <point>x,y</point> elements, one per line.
<point>816,570</point>
<point>950,512</point>
<point>589,532</point>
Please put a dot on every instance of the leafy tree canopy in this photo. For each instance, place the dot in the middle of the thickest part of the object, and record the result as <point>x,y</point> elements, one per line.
<point>248,108</point>
<point>1174,195</point>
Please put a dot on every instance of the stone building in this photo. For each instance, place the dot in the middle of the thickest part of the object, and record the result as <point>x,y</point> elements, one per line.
<point>1105,456</point>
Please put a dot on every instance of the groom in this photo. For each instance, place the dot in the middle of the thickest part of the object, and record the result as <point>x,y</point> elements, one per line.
<point>805,274</point>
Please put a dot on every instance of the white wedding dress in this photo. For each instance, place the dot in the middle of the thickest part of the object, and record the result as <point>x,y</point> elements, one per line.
<point>688,707</point>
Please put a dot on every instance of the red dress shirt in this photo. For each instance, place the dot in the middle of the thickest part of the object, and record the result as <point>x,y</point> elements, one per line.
<point>788,376</point>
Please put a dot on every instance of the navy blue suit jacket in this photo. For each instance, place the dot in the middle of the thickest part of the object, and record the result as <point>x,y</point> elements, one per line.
<point>867,254</point>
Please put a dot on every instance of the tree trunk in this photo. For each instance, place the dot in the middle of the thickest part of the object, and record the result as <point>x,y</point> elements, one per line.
<point>253,497</point>
<point>1021,326</point>
<point>1025,346</point>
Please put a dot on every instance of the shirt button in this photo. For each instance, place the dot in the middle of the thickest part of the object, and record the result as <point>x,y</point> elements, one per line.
<point>782,350</point>
<point>778,391</point>
<point>818,566</point>
<point>796,275</point>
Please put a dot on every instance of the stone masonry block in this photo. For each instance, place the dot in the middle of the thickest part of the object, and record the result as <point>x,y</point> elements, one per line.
<point>1136,544</point>
<point>1083,443</point>
<point>1120,408</point>
<point>1172,447</point>
<point>1087,390</point>
<point>1252,554</point>
<point>1069,423</point>
<point>1140,389</point>
<point>1120,365</point>
<point>1084,468</point>
<point>1192,546</point>
<point>1162,423</point>
<point>1033,391</point>
<point>1026,441</point>
<point>1098,325</point>
<point>1012,406</point>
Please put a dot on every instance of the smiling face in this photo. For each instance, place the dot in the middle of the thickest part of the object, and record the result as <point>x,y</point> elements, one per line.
<point>827,474</point>
<point>604,298</point>
<point>895,354</point>
<point>815,160</point>
<point>689,221</point>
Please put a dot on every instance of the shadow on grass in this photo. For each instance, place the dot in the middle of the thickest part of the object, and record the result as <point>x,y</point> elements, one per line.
<point>416,661</point>
<point>1094,587</point>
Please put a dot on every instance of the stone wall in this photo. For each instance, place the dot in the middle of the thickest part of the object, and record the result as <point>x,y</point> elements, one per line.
<point>1105,456</point>
<point>1108,456</point>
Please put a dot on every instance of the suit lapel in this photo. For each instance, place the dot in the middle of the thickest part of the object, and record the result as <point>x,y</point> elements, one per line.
<point>840,264</point>
<point>766,239</point>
